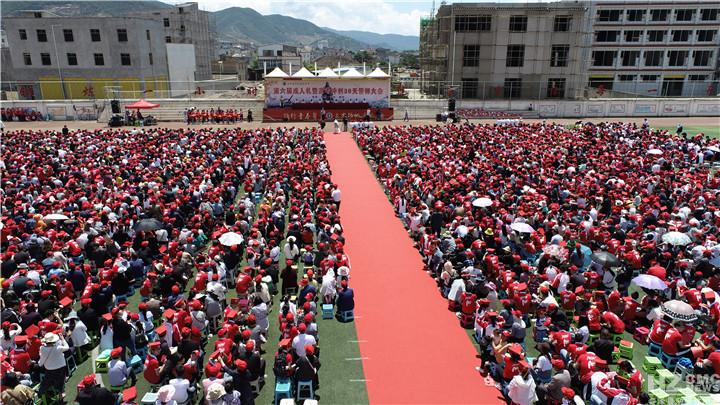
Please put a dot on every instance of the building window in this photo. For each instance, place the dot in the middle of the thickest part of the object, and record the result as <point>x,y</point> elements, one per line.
<point>168,39</point>
<point>125,59</point>
<point>181,10</point>
<point>147,34</point>
<point>28,59</point>
<point>607,36</point>
<point>122,35</point>
<point>702,58</point>
<point>469,88</point>
<point>41,35</point>
<point>649,78</point>
<point>604,58</point>
<point>518,23</point>
<point>659,15</point>
<point>684,14</point>
<point>23,34</point>
<point>630,58</point>
<point>635,15</point>
<point>95,35</point>
<point>45,59</point>
<point>680,35</point>
<point>515,55</point>
<point>150,58</point>
<point>182,29</point>
<point>709,14</point>
<point>166,22</point>
<point>512,88</point>
<point>471,55</point>
<point>559,55</point>
<point>677,58</point>
<point>656,36</point>
<point>626,78</point>
<point>608,15</point>
<point>473,23</point>
<point>72,59</point>
<point>705,35</point>
<point>697,78</point>
<point>556,88</point>
<point>654,58</point>
<point>99,59</point>
<point>633,35</point>
<point>562,23</point>
<point>68,34</point>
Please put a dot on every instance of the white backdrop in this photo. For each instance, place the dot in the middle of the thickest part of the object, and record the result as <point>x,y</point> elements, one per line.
<point>284,92</point>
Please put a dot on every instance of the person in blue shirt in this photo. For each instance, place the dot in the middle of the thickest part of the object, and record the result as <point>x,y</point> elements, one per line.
<point>345,300</point>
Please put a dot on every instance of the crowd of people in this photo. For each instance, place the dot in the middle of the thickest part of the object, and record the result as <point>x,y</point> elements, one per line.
<point>205,225</point>
<point>556,245</point>
<point>21,114</point>
<point>215,116</point>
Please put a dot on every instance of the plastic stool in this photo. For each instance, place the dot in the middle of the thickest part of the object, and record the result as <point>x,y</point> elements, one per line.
<point>683,372</point>
<point>654,350</point>
<point>651,364</point>
<point>467,321</point>
<point>659,397</point>
<point>101,362</point>
<point>664,377</point>
<point>149,398</point>
<point>136,363</point>
<point>287,401</point>
<point>327,311</point>
<point>255,386</point>
<point>684,396</point>
<point>626,349</point>
<point>347,316</point>
<point>70,364</point>
<point>616,338</point>
<point>120,298</point>
<point>116,389</point>
<point>669,361</point>
<point>283,389</point>
<point>306,386</point>
<point>593,337</point>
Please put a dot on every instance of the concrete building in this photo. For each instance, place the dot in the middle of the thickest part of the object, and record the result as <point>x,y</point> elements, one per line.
<point>279,55</point>
<point>506,50</point>
<point>655,48</point>
<point>85,57</point>
<point>187,24</point>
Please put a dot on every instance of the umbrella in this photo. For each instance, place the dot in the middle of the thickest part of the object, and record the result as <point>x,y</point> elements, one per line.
<point>676,239</point>
<point>606,259</point>
<point>713,148</point>
<point>482,202</point>
<point>679,310</point>
<point>654,152</point>
<point>55,217</point>
<point>522,227</point>
<point>142,104</point>
<point>231,239</point>
<point>556,251</point>
<point>587,255</point>
<point>650,282</point>
<point>148,224</point>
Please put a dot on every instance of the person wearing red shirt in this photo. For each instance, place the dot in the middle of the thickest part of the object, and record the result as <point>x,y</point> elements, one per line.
<point>672,344</point>
<point>593,317</point>
<point>468,303</point>
<point>152,371</point>
<point>243,284</point>
<point>693,297</point>
<point>616,324</point>
<point>615,303</point>
<point>567,300</point>
<point>658,331</point>
<point>560,340</point>
<point>630,311</point>
<point>522,302</point>
<point>710,365</point>
<point>586,366</point>
<point>19,358</point>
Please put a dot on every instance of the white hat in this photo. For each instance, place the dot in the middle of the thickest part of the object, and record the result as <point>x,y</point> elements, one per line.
<point>166,393</point>
<point>50,338</point>
<point>215,391</point>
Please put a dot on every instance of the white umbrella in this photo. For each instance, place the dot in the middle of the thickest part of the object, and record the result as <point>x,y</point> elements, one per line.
<point>522,227</point>
<point>654,152</point>
<point>676,239</point>
<point>231,239</point>
<point>462,230</point>
<point>650,282</point>
<point>482,202</point>
<point>679,310</point>
<point>713,148</point>
<point>55,217</point>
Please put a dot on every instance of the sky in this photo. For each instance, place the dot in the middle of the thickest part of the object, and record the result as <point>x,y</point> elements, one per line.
<point>380,16</point>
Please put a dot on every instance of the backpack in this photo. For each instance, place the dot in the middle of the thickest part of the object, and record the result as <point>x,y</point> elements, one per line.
<point>280,365</point>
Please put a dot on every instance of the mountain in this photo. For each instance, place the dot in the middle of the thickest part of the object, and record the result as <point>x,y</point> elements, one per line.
<point>81,8</point>
<point>395,42</point>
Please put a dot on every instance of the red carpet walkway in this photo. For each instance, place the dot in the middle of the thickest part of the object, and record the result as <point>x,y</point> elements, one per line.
<point>413,349</point>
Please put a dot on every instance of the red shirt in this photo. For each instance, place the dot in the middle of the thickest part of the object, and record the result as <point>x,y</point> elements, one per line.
<point>617,325</point>
<point>630,311</point>
<point>693,297</point>
<point>671,341</point>
<point>243,283</point>
<point>20,360</point>
<point>468,302</point>
<point>613,299</point>
<point>593,316</point>
<point>586,363</point>
<point>512,368</point>
<point>658,331</point>
<point>562,340</point>
<point>714,359</point>
<point>522,302</point>
<point>635,383</point>
<point>151,365</point>
<point>567,300</point>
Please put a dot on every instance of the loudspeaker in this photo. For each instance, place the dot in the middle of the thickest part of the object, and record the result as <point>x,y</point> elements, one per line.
<point>451,104</point>
<point>115,106</point>
<point>438,117</point>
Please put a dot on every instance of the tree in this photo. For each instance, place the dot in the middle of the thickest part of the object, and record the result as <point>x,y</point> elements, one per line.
<point>409,60</point>
<point>363,56</point>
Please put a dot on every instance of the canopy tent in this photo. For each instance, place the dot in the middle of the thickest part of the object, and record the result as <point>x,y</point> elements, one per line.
<point>378,73</point>
<point>303,73</point>
<point>277,73</point>
<point>142,104</point>
<point>327,72</point>
<point>352,73</point>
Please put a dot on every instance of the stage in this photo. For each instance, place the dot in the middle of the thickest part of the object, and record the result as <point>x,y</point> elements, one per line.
<point>331,114</point>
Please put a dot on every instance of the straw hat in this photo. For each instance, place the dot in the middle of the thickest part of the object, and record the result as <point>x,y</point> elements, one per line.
<point>50,338</point>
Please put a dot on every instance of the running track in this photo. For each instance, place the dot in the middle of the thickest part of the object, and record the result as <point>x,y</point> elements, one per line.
<point>413,349</point>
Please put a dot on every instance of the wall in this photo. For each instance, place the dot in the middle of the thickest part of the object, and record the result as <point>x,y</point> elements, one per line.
<point>181,73</point>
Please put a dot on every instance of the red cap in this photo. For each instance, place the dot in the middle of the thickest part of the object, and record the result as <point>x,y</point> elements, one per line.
<point>250,345</point>
<point>154,345</point>
<point>568,392</point>
<point>302,328</point>
<point>88,380</point>
<point>558,363</point>
<point>115,353</point>
<point>310,349</point>
<point>241,365</point>
<point>20,340</point>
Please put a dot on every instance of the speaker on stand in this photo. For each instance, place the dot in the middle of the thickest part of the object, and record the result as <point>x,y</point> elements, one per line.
<point>115,106</point>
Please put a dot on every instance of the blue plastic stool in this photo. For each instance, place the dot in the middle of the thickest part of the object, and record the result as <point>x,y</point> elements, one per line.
<point>654,350</point>
<point>283,389</point>
<point>305,386</point>
<point>668,361</point>
<point>120,298</point>
<point>136,363</point>
<point>347,316</point>
<point>327,311</point>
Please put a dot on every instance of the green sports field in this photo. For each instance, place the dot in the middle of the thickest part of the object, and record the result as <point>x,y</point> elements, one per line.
<point>692,130</point>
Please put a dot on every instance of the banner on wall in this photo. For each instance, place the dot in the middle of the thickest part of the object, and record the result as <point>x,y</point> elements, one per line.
<point>286,93</point>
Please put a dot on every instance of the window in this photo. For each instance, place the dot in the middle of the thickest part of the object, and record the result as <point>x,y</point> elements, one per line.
<point>697,78</point>
<point>518,23</point>
<point>608,15</point>
<point>562,23</point>
<point>28,59</point>
<point>512,88</point>
<point>656,36</point>
<point>633,35</point>
<point>607,36</point>
<point>37,14</point>
<point>630,58</point>
<point>680,35</point>
<point>182,29</point>
<point>626,78</point>
<point>649,78</point>
<point>95,35</point>
<point>168,39</point>
<point>654,58</point>
<point>705,35</point>
<point>709,14</point>
<point>166,22</point>
<point>150,58</point>
<point>99,59</point>
<point>635,15</point>
<point>659,15</point>
<point>684,14</point>
<point>471,55</point>
<point>556,88</point>
<point>72,59</point>
<point>122,35</point>
<point>472,23</point>
<point>702,58</point>
<point>125,59</point>
<point>68,34</point>
<point>604,58</point>
<point>45,59</point>
<point>515,55</point>
<point>147,34</point>
<point>23,34</point>
<point>469,88</point>
<point>41,35</point>
<point>677,58</point>
<point>559,55</point>
<point>181,10</point>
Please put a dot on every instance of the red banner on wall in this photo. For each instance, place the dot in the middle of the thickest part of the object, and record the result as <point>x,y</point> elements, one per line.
<point>313,115</point>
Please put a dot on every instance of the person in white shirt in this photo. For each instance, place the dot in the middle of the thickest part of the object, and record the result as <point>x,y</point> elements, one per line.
<point>302,340</point>
<point>181,385</point>
<point>521,389</point>
<point>78,332</point>
<point>52,360</point>
<point>291,249</point>
<point>118,371</point>
<point>336,195</point>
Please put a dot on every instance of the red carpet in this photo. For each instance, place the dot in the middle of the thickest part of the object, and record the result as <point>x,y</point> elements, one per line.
<point>413,348</point>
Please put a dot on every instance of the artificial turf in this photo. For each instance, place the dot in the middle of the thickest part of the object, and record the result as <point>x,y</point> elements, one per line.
<point>712,131</point>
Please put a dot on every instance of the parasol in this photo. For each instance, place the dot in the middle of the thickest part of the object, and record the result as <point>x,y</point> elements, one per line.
<point>148,224</point>
<point>55,217</point>
<point>605,259</point>
<point>231,239</point>
<point>522,227</point>
<point>556,251</point>
<point>676,239</point>
<point>482,202</point>
<point>654,152</point>
<point>650,282</point>
<point>142,105</point>
<point>679,310</point>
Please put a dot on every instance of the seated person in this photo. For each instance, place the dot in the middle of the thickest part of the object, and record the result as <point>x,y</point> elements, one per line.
<point>345,300</point>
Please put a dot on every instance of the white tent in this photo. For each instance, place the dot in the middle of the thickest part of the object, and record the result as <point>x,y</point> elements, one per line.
<point>352,73</point>
<point>277,72</point>
<point>327,72</point>
<point>378,73</point>
<point>303,73</point>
